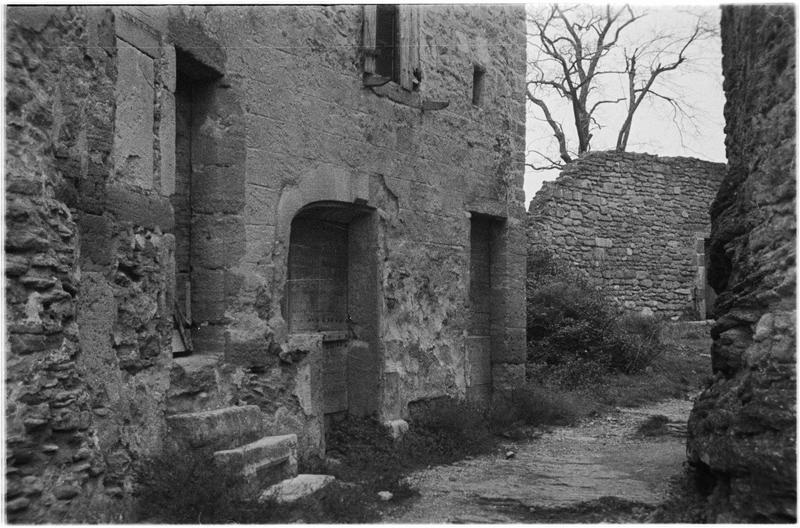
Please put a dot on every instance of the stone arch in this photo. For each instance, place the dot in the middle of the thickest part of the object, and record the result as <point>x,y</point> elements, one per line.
<point>331,286</point>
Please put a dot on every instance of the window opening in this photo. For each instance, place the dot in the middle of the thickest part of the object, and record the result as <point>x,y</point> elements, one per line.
<point>478,74</point>
<point>387,63</point>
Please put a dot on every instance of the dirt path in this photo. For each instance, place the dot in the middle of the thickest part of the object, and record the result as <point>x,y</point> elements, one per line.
<point>558,472</point>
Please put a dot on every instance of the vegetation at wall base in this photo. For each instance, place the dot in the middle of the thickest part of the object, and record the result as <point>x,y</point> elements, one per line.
<point>577,331</point>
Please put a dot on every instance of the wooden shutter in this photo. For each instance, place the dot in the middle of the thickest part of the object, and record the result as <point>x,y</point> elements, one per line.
<point>368,43</point>
<point>409,44</point>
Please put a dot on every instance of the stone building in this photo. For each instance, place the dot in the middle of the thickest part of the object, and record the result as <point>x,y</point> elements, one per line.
<point>743,428</point>
<point>225,224</point>
<point>637,223</point>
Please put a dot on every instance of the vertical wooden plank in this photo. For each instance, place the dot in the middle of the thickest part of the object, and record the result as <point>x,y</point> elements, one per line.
<point>369,14</point>
<point>404,46</point>
<point>414,43</point>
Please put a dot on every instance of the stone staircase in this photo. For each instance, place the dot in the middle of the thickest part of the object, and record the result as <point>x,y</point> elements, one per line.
<point>236,436</point>
<point>200,417</point>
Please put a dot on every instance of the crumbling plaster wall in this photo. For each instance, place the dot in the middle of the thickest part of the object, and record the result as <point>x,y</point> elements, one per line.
<point>88,264</point>
<point>635,222</point>
<point>313,132</point>
<point>742,430</point>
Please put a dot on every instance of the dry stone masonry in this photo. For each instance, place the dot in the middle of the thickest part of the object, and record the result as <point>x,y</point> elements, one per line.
<point>634,222</point>
<point>219,212</point>
<point>742,430</point>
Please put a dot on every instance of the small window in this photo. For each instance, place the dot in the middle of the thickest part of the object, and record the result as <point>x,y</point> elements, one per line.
<point>391,45</point>
<point>478,74</point>
<point>387,63</point>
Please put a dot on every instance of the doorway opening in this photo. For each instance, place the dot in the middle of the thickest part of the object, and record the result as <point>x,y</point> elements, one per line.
<point>332,290</point>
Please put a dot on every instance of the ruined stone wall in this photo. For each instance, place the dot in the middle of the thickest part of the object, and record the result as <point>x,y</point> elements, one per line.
<point>742,430</point>
<point>88,268</point>
<point>635,222</point>
<point>314,132</point>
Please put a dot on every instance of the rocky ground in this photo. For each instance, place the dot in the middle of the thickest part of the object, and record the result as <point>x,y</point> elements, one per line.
<point>601,470</point>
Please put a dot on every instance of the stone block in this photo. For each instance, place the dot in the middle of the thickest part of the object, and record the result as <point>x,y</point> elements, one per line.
<point>169,73</point>
<point>190,37</point>
<point>264,461</point>
<point>397,428</point>
<point>363,372</point>
<point>208,296</point>
<point>208,339</point>
<point>253,353</point>
<point>218,189</point>
<point>136,27</point>
<point>217,143</point>
<point>292,490</point>
<point>603,242</point>
<point>217,241</point>
<point>166,139</point>
<point>141,209</point>
<point>220,428</point>
<point>133,133</point>
<point>95,238</point>
<point>260,205</point>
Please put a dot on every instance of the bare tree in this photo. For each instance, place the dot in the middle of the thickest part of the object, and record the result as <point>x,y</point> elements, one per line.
<point>578,51</point>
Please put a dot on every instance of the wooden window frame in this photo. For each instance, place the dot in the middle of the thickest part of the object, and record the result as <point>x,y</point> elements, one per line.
<point>408,18</point>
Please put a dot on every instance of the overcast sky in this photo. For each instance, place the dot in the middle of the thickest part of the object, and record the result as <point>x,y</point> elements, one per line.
<point>653,130</point>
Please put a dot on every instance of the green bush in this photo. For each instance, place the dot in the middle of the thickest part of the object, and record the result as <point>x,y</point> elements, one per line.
<point>578,333</point>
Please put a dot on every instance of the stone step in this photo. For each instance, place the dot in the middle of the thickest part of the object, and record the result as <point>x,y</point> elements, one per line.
<point>293,489</point>
<point>194,384</point>
<point>256,459</point>
<point>223,428</point>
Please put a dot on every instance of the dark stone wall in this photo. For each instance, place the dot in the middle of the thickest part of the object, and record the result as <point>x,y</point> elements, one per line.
<point>742,430</point>
<point>635,223</point>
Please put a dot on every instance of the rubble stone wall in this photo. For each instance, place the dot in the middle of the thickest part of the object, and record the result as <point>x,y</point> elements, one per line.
<point>88,266</point>
<point>742,430</point>
<point>635,222</point>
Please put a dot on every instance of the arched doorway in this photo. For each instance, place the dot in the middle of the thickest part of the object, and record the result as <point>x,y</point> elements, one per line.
<point>332,290</point>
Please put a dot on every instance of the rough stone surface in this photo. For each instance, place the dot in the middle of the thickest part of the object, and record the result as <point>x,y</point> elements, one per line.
<point>266,148</point>
<point>89,293</point>
<point>632,222</point>
<point>221,428</point>
<point>103,226</point>
<point>742,430</point>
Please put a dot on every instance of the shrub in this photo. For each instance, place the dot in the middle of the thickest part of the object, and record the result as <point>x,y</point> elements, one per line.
<point>531,405</point>
<point>539,406</point>
<point>577,332</point>
<point>185,486</point>
<point>451,428</point>
<point>655,425</point>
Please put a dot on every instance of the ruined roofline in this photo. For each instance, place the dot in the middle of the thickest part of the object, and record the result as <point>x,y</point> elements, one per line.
<point>579,170</point>
<point>635,155</point>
